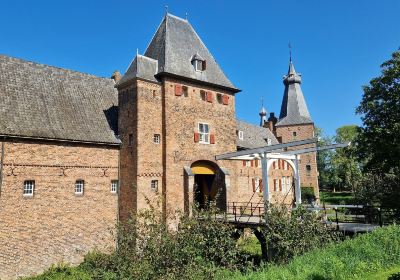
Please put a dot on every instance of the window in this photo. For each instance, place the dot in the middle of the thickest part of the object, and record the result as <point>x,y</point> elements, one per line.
<point>308,168</point>
<point>240,134</point>
<point>269,141</point>
<point>204,133</point>
<point>198,65</point>
<point>276,184</point>
<point>288,183</point>
<point>257,184</point>
<point>219,98</point>
<point>114,186</point>
<point>130,140</point>
<point>79,185</point>
<point>283,184</point>
<point>185,91</point>
<point>156,138</point>
<point>294,134</point>
<point>29,187</point>
<point>154,185</point>
<point>247,163</point>
<point>203,95</point>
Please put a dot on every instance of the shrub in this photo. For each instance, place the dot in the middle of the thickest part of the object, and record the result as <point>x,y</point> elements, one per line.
<point>307,194</point>
<point>293,233</point>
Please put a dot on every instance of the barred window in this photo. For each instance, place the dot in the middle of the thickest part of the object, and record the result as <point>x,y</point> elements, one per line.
<point>79,186</point>
<point>114,186</point>
<point>156,138</point>
<point>29,187</point>
<point>154,185</point>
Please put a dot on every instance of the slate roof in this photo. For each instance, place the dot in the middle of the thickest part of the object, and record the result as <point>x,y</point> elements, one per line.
<point>174,45</point>
<point>254,136</point>
<point>141,67</point>
<point>294,108</point>
<point>42,101</point>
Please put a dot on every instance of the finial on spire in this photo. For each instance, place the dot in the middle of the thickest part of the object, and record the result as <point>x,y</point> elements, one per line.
<point>166,9</point>
<point>262,102</point>
<point>186,15</point>
<point>290,52</point>
<point>137,51</point>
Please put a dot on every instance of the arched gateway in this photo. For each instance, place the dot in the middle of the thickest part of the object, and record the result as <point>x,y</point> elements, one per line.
<point>207,185</point>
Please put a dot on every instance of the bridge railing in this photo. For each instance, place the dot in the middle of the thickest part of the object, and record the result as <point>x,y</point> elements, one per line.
<point>241,211</point>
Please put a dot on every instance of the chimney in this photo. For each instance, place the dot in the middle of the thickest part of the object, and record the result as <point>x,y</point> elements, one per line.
<point>116,76</point>
<point>272,122</point>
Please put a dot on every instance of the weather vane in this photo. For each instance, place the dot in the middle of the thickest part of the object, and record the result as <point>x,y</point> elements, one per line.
<point>166,9</point>
<point>290,51</point>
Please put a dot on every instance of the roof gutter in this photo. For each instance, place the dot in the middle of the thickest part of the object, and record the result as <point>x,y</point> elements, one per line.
<point>5,136</point>
<point>234,90</point>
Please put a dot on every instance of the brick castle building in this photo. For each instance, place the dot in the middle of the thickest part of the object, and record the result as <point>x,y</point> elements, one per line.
<point>78,152</point>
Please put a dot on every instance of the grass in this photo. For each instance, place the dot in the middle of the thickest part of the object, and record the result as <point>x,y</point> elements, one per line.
<point>383,274</point>
<point>376,253</point>
<point>336,198</point>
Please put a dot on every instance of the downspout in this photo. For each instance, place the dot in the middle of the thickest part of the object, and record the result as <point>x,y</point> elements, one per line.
<point>118,195</point>
<point>1,163</point>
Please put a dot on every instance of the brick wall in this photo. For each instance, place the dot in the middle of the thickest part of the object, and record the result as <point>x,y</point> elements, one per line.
<point>55,225</point>
<point>307,177</point>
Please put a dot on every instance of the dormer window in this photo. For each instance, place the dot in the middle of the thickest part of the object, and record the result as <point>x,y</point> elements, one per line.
<point>240,134</point>
<point>198,63</point>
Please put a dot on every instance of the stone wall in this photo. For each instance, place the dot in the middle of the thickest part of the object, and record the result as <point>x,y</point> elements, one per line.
<point>55,224</point>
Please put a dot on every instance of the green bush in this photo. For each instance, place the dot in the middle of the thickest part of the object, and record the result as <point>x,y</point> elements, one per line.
<point>307,194</point>
<point>291,233</point>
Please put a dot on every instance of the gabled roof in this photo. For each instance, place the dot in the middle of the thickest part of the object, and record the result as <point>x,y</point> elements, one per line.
<point>174,45</point>
<point>294,108</point>
<point>254,136</point>
<point>40,101</point>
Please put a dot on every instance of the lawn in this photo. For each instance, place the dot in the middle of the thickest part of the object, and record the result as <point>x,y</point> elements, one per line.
<point>336,197</point>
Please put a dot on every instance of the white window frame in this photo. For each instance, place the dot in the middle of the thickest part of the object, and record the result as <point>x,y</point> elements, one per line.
<point>248,163</point>
<point>154,185</point>
<point>29,188</point>
<point>240,134</point>
<point>196,65</point>
<point>283,184</point>
<point>157,138</point>
<point>269,142</point>
<point>79,187</point>
<point>204,136</point>
<point>114,186</point>
<point>257,185</point>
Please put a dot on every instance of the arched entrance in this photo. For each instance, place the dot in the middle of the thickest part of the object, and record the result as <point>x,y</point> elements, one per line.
<point>209,185</point>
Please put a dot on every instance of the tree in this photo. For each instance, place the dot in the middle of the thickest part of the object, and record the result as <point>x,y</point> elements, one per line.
<point>324,159</point>
<point>379,141</point>
<point>345,164</point>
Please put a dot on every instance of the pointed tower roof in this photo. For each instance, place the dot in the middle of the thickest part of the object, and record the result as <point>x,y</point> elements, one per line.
<point>141,67</point>
<point>294,108</point>
<point>175,44</point>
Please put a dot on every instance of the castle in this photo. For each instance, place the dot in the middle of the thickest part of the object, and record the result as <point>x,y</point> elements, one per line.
<point>79,153</point>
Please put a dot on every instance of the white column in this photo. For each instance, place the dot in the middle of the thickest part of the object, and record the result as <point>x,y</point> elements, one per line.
<point>297,180</point>
<point>265,181</point>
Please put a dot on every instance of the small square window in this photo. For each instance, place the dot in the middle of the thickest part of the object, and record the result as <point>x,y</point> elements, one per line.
<point>154,185</point>
<point>203,95</point>
<point>114,186</point>
<point>247,163</point>
<point>308,168</point>
<point>240,134</point>
<point>269,141</point>
<point>29,187</point>
<point>156,138</point>
<point>79,185</point>
<point>219,98</point>
<point>294,133</point>
<point>130,140</point>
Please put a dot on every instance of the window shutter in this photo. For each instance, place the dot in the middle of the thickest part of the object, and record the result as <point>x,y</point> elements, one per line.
<point>274,165</point>
<point>212,139</point>
<point>244,163</point>
<point>252,163</point>
<point>253,181</point>
<point>204,65</point>
<point>256,163</point>
<point>196,137</point>
<point>260,187</point>
<point>209,96</point>
<point>275,185</point>
<point>178,90</point>
<point>280,185</point>
<point>279,164</point>
<point>225,99</point>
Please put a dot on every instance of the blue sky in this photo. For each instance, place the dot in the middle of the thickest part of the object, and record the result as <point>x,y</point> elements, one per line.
<point>337,45</point>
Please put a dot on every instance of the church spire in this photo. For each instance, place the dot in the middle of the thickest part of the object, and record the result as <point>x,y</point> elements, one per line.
<point>263,113</point>
<point>294,108</point>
